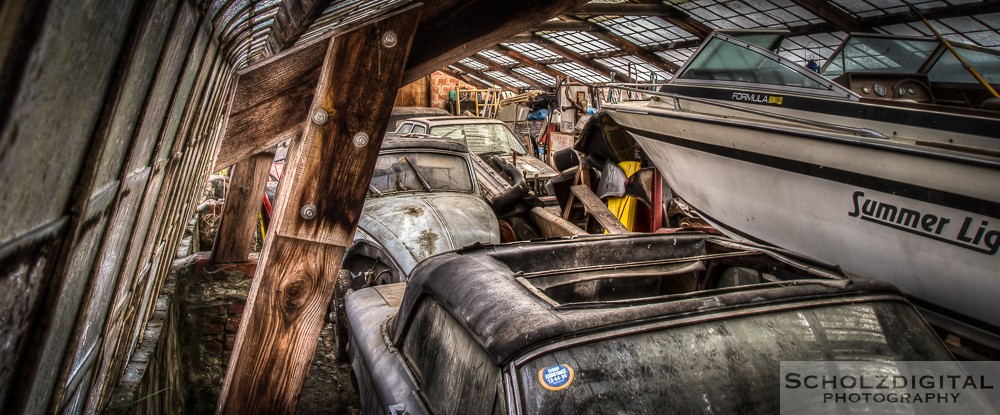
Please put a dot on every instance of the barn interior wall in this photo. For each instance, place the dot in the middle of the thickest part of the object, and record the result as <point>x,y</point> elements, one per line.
<point>111,114</point>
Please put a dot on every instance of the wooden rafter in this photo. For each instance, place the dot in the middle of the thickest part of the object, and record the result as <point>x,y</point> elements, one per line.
<point>484,24</point>
<point>506,71</point>
<point>624,9</point>
<point>565,26</point>
<point>292,20</point>
<point>468,69</point>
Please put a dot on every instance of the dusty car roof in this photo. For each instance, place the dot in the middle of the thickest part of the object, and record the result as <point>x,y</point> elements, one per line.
<point>498,292</point>
<point>455,119</point>
<point>421,141</point>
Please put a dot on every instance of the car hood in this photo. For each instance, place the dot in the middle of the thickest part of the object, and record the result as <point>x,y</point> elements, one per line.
<point>530,167</point>
<point>414,226</point>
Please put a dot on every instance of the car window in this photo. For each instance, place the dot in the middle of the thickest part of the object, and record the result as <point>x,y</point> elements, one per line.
<point>482,138</point>
<point>454,374</point>
<point>405,128</point>
<point>720,366</point>
<point>410,171</point>
<point>419,129</point>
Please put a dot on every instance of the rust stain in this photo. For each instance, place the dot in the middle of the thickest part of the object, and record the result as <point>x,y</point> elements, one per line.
<point>415,212</point>
<point>428,240</point>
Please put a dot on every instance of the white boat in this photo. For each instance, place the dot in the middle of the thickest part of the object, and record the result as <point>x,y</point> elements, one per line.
<point>869,170</point>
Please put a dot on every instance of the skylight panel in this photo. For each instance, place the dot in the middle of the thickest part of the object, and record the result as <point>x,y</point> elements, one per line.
<point>509,80</point>
<point>643,31</point>
<point>534,51</point>
<point>535,74</point>
<point>575,71</point>
<point>636,68</point>
<point>677,56</point>
<point>497,57</point>
<point>974,30</point>
<point>748,14</point>
<point>579,42</point>
<point>473,64</point>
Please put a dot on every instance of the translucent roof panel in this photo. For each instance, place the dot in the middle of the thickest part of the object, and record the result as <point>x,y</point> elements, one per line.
<point>497,57</point>
<point>473,64</point>
<point>341,14</point>
<point>640,70</point>
<point>975,30</point>
<point>575,71</point>
<point>747,14</point>
<point>870,8</point>
<point>643,31</point>
<point>535,74</point>
<point>677,56</point>
<point>535,51</point>
<point>818,47</point>
<point>580,42</point>
<point>502,77</point>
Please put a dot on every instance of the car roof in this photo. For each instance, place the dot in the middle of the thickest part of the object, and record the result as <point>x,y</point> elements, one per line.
<point>455,120</point>
<point>418,110</point>
<point>495,292</point>
<point>393,141</point>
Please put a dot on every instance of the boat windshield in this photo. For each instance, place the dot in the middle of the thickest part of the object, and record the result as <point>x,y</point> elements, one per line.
<point>911,56</point>
<point>482,138</point>
<point>420,172</point>
<point>721,366</point>
<point>724,58</point>
<point>887,55</point>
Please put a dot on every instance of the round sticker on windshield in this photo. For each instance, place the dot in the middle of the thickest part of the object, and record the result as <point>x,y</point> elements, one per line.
<point>555,378</point>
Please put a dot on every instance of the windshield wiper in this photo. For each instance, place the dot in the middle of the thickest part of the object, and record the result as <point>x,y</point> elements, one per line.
<point>374,190</point>
<point>420,178</point>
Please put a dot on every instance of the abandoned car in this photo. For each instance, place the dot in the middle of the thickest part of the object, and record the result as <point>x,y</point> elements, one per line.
<point>399,114</point>
<point>654,323</point>
<point>423,200</point>
<point>486,137</point>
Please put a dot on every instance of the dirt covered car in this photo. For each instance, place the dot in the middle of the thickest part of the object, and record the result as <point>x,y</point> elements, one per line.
<point>679,323</point>
<point>423,200</point>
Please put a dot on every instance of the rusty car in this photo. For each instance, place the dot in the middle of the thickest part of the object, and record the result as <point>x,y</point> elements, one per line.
<point>652,323</point>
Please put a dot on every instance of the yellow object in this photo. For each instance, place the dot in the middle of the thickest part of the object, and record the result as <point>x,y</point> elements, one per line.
<point>624,207</point>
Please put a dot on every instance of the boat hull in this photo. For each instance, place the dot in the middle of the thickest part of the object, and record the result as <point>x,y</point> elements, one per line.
<point>930,225</point>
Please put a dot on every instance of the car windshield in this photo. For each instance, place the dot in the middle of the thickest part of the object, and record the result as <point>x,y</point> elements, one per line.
<point>417,171</point>
<point>721,366</point>
<point>482,138</point>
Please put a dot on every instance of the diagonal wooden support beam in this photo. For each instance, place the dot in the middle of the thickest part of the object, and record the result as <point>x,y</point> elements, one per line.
<point>483,23</point>
<point>317,210</point>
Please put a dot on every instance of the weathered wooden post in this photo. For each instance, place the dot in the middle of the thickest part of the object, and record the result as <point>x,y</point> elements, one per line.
<point>315,215</point>
<point>239,215</point>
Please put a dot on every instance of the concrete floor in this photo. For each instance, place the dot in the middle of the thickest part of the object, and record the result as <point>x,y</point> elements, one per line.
<point>328,388</point>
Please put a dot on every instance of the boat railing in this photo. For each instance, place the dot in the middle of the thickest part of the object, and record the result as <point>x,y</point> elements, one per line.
<point>641,94</point>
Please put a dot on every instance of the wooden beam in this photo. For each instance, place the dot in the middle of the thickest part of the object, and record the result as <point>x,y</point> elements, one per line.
<point>315,215</point>
<point>580,59</point>
<point>271,102</point>
<point>484,23</point>
<point>238,226</point>
<point>624,9</point>
<point>531,63</point>
<point>465,78</point>
<point>565,26</point>
<point>596,208</point>
<point>293,19</point>
<point>497,81</point>
<point>836,16</point>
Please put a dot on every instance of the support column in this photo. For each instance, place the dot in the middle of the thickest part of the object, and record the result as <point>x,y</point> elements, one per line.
<point>242,208</point>
<point>317,210</point>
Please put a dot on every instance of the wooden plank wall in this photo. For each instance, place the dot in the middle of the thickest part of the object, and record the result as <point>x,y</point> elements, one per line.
<point>108,128</point>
